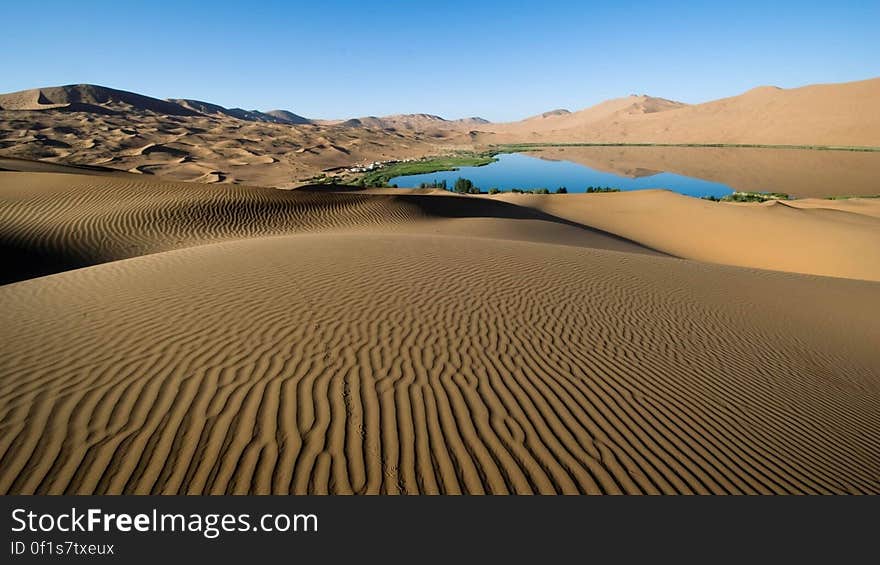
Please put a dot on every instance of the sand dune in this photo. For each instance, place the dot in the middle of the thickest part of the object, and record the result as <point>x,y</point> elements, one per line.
<point>820,237</point>
<point>95,125</point>
<point>821,114</point>
<point>609,110</point>
<point>279,154</point>
<point>52,222</point>
<point>228,339</point>
<point>88,97</point>
<point>403,364</point>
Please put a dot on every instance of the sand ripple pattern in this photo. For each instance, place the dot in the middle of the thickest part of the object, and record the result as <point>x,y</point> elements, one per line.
<point>52,222</point>
<point>58,222</point>
<point>391,364</point>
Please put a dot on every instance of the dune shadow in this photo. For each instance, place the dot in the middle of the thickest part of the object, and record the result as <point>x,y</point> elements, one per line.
<point>454,206</point>
<point>23,262</point>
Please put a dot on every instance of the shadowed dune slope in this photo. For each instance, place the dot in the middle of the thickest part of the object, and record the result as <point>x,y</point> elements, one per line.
<point>53,222</point>
<point>821,237</point>
<point>410,363</point>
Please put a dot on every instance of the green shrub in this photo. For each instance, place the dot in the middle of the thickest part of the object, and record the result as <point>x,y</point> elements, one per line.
<point>494,190</point>
<point>561,190</point>
<point>592,189</point>
<point>463,186</point>
<point>747,196</point>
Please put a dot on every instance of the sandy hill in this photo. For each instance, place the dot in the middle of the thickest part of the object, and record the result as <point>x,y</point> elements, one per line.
<point>163,217</point>
<point>196,141</point>
<point>241,340</point>
<point>473,120</point>
<point>92,98</point>
<point>89,97</point>
<point>286,116</point>
<point>824,114</point>
<point>274,116</point>
<point>803,236</point>
<point>551,113</point>
<point>561,119</point>
<point>412,122</point>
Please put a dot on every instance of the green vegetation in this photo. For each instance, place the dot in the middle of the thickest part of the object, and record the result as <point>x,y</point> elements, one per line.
<point>516,147</point>
<point>532,191</point>
<point>465,186</point>
<point>561,190</point>
<point>494,190</point>
<point>381,175</point>
<point>434,184</point>
<point>847,197</point>
<point>592,189</point>
<point>746,196</point>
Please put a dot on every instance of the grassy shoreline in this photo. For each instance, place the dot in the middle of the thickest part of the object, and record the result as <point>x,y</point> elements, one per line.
<point>383,175</point>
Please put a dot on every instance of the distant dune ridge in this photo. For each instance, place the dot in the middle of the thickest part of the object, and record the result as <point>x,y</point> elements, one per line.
<point>246,340</point>
<point>562,119</point>
<point>84,97</point>
<point>274,116</point>
<point>191,140</point>
<point>100,99</point>
<point>823,114</point>
<point>94,125</point>
<point>417,122</point>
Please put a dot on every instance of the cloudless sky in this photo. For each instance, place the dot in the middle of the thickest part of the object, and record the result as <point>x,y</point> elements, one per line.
<point>502,60</point>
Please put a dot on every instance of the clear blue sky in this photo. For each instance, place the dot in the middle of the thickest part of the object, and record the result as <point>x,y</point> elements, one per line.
<point>498,59</point>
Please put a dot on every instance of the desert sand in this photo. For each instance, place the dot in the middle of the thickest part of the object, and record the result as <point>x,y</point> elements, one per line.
<point>838,238</point>
<point>822,114</point>
<point>197,141</point>
<point>194,338</point>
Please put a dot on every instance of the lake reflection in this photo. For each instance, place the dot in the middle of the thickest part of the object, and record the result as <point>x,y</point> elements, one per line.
<point>517,170</point>
<point>695,171</point>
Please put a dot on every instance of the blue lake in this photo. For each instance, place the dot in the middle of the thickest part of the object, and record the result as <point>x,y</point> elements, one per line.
<point>516,170</point>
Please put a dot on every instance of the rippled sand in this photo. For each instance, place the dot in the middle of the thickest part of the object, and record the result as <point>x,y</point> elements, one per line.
<point>235,340</point>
